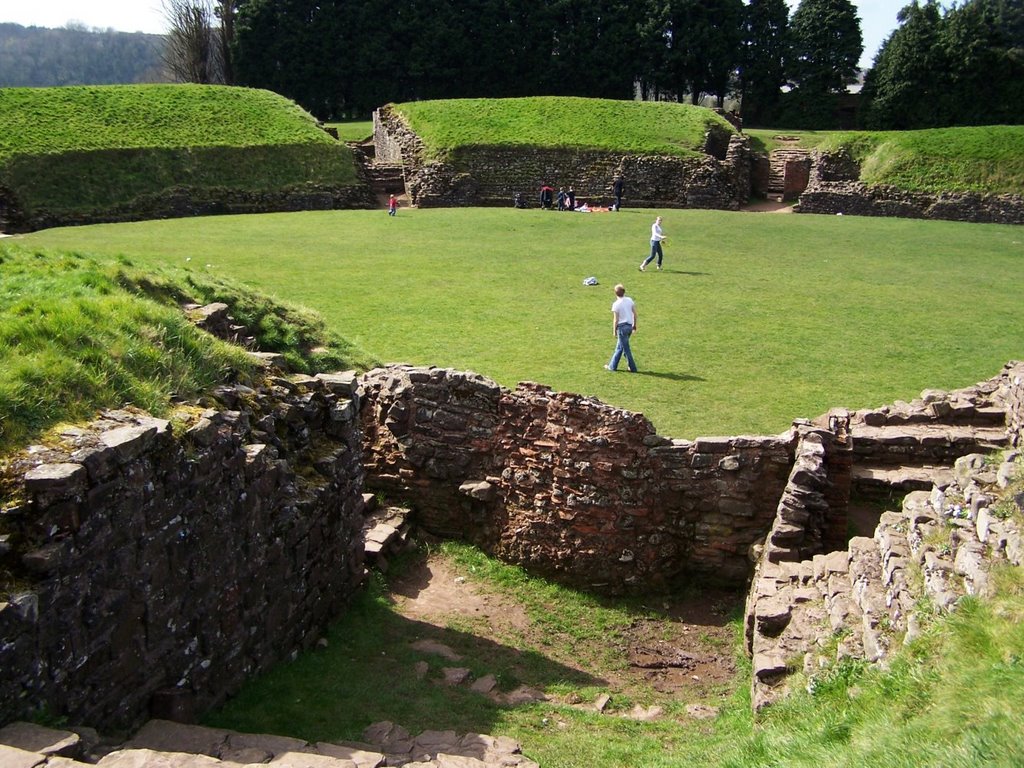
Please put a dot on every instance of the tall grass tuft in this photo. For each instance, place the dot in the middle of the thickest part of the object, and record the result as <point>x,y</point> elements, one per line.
<point>78,334</point>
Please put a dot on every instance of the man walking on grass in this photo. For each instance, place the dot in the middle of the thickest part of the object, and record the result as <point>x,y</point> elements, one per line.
<point>623,326</point>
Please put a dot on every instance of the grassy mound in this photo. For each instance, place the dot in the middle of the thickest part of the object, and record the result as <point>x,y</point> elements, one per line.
<point>657,128</point>
<point>78,334</point>
<point>88,148</point>
<point>982,159</point>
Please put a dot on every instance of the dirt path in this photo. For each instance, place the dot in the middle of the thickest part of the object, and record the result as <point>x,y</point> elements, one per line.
<point>686,654</point>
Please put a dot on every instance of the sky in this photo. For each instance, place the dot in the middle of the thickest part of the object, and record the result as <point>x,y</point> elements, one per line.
<point>877,17</point>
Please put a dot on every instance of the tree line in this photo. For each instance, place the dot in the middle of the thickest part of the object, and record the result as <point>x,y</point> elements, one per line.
<point>76,55</point>
<point>962,66</point>
<point>346,57</point>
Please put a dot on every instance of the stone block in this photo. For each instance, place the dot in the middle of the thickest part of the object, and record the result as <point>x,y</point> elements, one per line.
<point>358,754</point>
<point>45,741</point>
<point>772,615</point>
<point>56,481</point>
<point>128,443</point>
<point>146,758</point>
<point>768,666</point>
<point>12,757</point>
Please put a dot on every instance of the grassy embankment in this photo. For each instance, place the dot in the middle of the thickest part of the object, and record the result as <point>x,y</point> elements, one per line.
<point>546,121</point>
<point>984,159</point>
<point>90,148</point>
<point>78,334</point>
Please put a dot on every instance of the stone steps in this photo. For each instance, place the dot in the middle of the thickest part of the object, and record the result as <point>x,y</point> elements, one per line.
<point>937,548</point>
<point>884,480</point>
<point>777,160</point>
<point>385,179</point>
<point>386,532</point>
<point>165,744</point>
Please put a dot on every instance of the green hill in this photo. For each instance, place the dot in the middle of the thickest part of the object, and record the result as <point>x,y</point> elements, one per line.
<point>982,159</point>
<point>552,122</point>
<point>110,151</point>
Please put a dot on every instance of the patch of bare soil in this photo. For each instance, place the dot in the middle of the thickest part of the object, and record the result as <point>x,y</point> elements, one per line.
<point>686,655</point>
<point>432,592</point>
<point>768,206</point>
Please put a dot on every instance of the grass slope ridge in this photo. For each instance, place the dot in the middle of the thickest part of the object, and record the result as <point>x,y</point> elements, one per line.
<point>78,334</point>
<point>89,149</point>
<point>985,159</point>
<point>658,128</point>
<point>36,121</point>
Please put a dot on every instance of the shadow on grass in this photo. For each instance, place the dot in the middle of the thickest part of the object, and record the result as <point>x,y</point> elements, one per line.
<point>669,375</point>
<point>369,671</point>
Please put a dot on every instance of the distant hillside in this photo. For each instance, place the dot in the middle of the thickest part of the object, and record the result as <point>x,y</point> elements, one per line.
<point>37,57</point>
<point>115,153</point>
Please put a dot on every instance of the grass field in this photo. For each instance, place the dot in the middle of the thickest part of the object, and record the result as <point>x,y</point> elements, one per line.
<point>757,318</point>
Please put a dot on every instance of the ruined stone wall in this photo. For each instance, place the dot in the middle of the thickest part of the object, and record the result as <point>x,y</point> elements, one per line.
<point>834,187</point>
<point>148,563</point>
<point>566,485</point>
<point>184,202</point>
<point>493,175</point>
<point>1012,399</point>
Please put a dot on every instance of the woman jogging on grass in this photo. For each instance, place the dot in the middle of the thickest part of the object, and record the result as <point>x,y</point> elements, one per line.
<point>657,236</point>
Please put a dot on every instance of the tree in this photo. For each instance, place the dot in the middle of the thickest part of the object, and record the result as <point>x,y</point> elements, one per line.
<point>226,11</point>
<point>985,41</point>
<point>191,53</point>
<point>765,50</point>
<point>702,39</point>
<point>826,46</point>
<point>909,84</point>
<point>964,67</point>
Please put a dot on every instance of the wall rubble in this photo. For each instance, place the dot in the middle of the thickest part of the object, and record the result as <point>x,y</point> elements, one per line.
<point>182,202</point>
<point>153,560</point>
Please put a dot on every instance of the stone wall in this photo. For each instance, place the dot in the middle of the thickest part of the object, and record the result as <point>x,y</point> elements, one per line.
<point>148,563</point>
<point>859,598</point>
<point>834,187</point>
<point>493,175</point>
<point>183,202</point>
<point>566,485</point>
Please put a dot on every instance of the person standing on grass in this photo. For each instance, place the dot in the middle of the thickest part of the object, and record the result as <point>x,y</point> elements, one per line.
<point>657,236</point>
<point>392,205</point>
<point>623,326</point>
<point>618,189</point>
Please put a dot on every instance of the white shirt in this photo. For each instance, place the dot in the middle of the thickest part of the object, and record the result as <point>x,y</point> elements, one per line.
<point>623,309</point>
<point>656,235</point>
